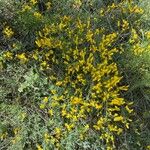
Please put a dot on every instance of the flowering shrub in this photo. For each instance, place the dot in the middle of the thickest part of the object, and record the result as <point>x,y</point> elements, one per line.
<point>69,94</point>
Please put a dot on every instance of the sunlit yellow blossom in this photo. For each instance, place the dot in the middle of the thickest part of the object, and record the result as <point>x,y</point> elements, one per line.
<point>147,34</point>
<point>118,118</point>
<point>3,135</point>
<point>22,57</point>
<point>59,83</point>
<point>77,4</point>
<point>37,15</point>
<point>47,137</point>
<point>57,131</point>
<point>117,101</point>
<point>46,30</point>
<point>114,128</point>
<point>138,49</point>
<point>86,127</point>
<point>26,8</point>
<point>38,43</point>
<point>50,112</point>
<point>48,5</point>
<point>8,32</point>
<point>81,136</point>
<point>128,109</point>
<point>89,36</point>
<point>69,126</point>
<point>23,116</point>
<point>76,100</point>
<point>39,147</point>
<point>16,130</point>
<point>44,63</point>
<point>102,12</point>
<point>33,1</point>
<point>125,24</point>
<point>136,9</point>
<point>15,139</point>
<point>42,106</point>
<point>45,100</point>
<point>99,124</point>
<point>35,56</point>
<point>8,55</point>
<point>64,112</point>
<point>148,147</point>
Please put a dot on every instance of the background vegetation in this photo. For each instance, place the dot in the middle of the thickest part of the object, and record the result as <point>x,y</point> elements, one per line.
<point>74,74</point>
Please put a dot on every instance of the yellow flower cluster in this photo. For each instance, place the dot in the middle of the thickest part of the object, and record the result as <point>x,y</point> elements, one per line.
<point>136,9</point>
<point>22,57</point>
<point>89,77</point>
<point>3,135</point>
<point>8,32</point>
<point>28,6</point>
<point>8,55</point>
<point>33,1</point>
<point>37,15</point>
<point>138,48</point>
<point>77,4</point>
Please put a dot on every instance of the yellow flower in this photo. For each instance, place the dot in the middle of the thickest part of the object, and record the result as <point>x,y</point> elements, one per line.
<point>50,112</point>
<point>45,100</point>
<point>102,12</point>
<point>42,106</point>
<point>76,100</point>
<point>77,4</point>
<point>22,58</point>
<point>138,49</point>
<point>86,127</point>
<point>23,115</point>
<point>1,65</point>
<point>46,30</point>
<point>26,8</point>
<point>53,91</point>
<point>89,36</point>
<point>3,135</point>
<point>148,147</point>
<point>47,137</point>
<point>15,139</point>
<point>58,83</point>
<point>137,10</point>
<point>8,55</point>
<point>127,125</point>
<point>57,145</point>
<point>118,118</point>
<point>99,124</point>
<point>8,32</point>
<point>147,34</point>
<point>39,147</point>
<point>37,15</point>
<point>16,130</point>
<point>38,43</point>
<point>33,1</point>
<point>63,112</point>
<point>117,101</point>
<point>128,109</point>
<point>69,126</point>
<point>57,131</point>
<point>48,5</point>
<point>35,56</point>
<point>43,64</point>
<point>114,128</point>
<point>14,45</point>
<point>125,24</point>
